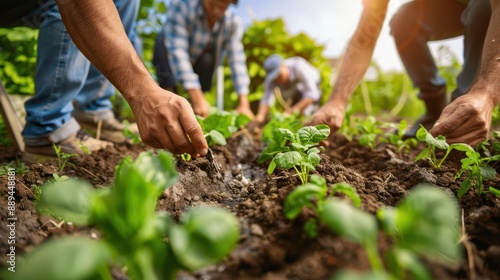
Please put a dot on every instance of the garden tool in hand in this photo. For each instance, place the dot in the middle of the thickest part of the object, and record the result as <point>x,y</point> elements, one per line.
<point>215,166</point>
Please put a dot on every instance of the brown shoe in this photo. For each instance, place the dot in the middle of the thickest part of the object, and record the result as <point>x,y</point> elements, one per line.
<point>78,144</point>
<point>109,129</point>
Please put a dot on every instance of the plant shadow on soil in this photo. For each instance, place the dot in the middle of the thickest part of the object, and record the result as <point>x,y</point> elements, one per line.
<point>272,247</point>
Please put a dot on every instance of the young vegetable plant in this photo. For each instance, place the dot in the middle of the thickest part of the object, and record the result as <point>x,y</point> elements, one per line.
<point>149,244</point>
<point>396,138</point>
<point>220,125</point>
<point>478,170</point>
<point>439,142</point>
<point>370,132</point>
<point>424,224</point>
<point>62,157</point>
<point>302,153</point>
<point>313,195</point>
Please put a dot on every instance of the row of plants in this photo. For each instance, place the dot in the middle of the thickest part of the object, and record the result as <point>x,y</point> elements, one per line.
<point>144,243</point>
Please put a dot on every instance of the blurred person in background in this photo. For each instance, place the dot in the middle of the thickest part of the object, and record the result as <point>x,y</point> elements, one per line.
<point>196,38</point>
<point>468,118</point>
<point>298,82</point>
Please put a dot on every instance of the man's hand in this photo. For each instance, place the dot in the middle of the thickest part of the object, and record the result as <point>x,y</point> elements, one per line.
<point>466,120</point>
<point>166,121</point>
<point>200,104</point>
<point>244,107</point>
<point>329,114</point>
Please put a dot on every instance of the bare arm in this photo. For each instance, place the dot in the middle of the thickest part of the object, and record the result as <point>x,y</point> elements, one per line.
<point>165,120</point>
<point>354,64</point>
<point>468,118</point>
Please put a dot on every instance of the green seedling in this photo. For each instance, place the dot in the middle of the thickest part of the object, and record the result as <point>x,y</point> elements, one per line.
<point>62,157</point>
<point>18,167</point>
<point>186,157</point>
<point>396,138</point>
<point>478,170</point>
<point>58,178</point>
<point>424,224</point>
<point>136,139</point>
<point>370,132</point>
<point>439,142</point>
<point>302,153</point>
<point>221,125</point>
<point>313,195</point>
<point>146,243</point>
<point>273,138</point>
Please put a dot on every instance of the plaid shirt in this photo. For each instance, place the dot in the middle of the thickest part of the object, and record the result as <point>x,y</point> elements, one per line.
<point>188,34</point>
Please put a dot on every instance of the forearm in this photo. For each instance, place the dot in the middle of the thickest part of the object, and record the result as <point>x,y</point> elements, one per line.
<point>93,24</point>
<point>359,51</point>
<point>302,104</point>
<point>488,80</point>
<point>262,113</point>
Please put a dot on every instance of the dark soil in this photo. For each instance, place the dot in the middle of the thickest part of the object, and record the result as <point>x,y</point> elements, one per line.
<point>272,247</point>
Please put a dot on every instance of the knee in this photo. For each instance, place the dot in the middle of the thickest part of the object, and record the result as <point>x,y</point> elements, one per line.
<point>399,27</point>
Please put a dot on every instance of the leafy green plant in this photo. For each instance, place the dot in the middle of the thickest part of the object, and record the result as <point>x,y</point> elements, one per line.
<point>18,166</point>
<point>62,157</point>
<point>396,138</point>
<point>439,142</point>
<point>313,195</point>
<point>302,153</point>
<point>424,224</point>
<point>220,125</point>
<point>477,170</point>
<point>149,244</point>
<point>136,139</point>
<point>370,132</point>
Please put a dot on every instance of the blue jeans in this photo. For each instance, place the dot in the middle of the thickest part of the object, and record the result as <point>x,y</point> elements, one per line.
<point>420,21</point>
<point>63,76</point>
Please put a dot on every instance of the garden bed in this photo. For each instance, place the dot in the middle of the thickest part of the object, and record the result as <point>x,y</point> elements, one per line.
<point>271,246</point>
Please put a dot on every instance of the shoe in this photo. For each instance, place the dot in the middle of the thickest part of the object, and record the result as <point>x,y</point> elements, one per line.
<point>109,129</point>
<point>434,104</point>
<point>79,143</point>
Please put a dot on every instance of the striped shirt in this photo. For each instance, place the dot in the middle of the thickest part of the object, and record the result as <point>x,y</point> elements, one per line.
<point>304,79</point>
<point>188,33</point>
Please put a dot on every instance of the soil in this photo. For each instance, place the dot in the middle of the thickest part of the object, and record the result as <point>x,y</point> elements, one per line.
<point>272,247</point>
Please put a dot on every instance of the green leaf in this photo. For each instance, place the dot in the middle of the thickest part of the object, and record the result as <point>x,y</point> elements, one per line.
<point>495,191</point>
<point>271,167</point>
<point>205,236</point>
<point>349,221</point>
<point>348,190</point>
<point>301,197</point>
<point>401,258</point>
<point>286,133</point>
<point>313,159</point>
<point>65,259</point>
<point>70,200</point>
<point>313,134</point>
<point>217,137</point>
<point>427,223</point>
<point>488,172</point>
<point>311,228</point>
<point>287,160</point>
<point>464,187</point>
<point>422,134</point>
<point>424,154</point>
<point>461,147</point>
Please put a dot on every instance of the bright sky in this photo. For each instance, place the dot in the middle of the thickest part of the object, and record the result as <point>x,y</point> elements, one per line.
<point>332,22</point>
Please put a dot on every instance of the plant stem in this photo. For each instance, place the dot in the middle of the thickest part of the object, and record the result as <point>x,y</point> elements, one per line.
<point>373,256</point>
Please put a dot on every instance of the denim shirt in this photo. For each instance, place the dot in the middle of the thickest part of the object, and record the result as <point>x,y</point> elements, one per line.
<point>188,33</point>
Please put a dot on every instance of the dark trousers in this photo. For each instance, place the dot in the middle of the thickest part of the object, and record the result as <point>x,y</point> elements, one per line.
<point>203,67</point>
<point>421,21</point>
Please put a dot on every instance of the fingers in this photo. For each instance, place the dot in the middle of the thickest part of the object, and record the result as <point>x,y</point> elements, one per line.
<point>192,129</point>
